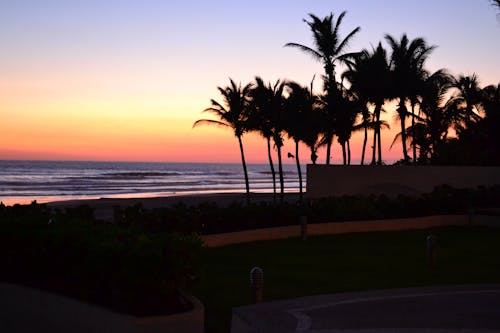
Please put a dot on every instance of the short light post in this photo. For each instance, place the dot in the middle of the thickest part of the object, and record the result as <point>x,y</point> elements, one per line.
<point>257,283</point>
<point>432,252</point>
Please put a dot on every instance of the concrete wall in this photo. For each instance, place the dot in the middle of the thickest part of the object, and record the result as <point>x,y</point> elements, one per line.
<point>335,180</point>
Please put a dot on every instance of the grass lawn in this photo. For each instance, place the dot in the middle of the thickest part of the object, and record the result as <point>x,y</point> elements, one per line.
<point>340,263</point>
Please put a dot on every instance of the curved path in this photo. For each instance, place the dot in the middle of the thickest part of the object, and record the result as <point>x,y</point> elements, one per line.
<point>473,308</point>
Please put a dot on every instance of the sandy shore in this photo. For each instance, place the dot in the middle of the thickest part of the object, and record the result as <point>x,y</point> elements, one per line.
<point>104,207</point>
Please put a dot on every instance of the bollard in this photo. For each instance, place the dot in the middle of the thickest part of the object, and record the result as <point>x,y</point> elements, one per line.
<point>432,252</point>
<point>257,283</point>
<point>303,228</point>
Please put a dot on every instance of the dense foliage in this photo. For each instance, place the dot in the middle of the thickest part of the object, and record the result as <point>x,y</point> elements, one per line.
<point>122,266</point>
<point>210,218</point>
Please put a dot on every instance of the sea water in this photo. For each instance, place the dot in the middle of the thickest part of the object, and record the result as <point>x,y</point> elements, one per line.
<point>44,181</point>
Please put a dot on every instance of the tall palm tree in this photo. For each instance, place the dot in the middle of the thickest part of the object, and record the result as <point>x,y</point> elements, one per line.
<point>369,78</point>
<point>407,60</point>
<point>348,107</point>
<point>233,114</point>
<point>299,105</point>
<point>437,115</point>
<point>261,118</point>
<point>329,49</point>
<point>277,109</point>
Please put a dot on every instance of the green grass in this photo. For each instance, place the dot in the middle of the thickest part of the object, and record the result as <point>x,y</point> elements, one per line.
<point>340,263</point>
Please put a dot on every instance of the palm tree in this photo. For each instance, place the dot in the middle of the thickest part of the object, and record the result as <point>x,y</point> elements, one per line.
<point>261,118</point>
<point>299,105</point>
<point>469,97</point>
<point>369,78</point>
<point>329,48</point>
<point>496,3</point>
<point>348,109</point>
<point>233,114</point>
<point>491,108</point>
<point>407,60</point>
<point>276,107</point>
<point>437,115</point>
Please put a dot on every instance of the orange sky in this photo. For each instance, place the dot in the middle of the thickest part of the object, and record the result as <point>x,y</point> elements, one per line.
<point>126,80</point>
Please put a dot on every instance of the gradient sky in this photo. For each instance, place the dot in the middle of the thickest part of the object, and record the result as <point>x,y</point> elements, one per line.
<point>125,80</point>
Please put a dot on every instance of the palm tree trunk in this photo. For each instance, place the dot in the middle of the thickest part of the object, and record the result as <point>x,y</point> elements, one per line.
<point>348,152</point>
<point>364,145</point>
<point>313,155</point>
<point>328,149</point>
<point>247,185</point>
<point>344,156</point>
<point>413,133</point>
<point>379,137</point>
<point>402,118</point>
<point>299,172</point>
<point>374,148</point>
<point>376,131</point>
<point>271,164</point>
<point>280,170</point>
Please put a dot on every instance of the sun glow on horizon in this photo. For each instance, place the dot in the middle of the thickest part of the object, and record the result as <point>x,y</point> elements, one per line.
<point>126,80</point>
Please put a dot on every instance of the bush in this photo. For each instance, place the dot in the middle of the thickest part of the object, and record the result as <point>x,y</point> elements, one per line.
<point>124,267</point>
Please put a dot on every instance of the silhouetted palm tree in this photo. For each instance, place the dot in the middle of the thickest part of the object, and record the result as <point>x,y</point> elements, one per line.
<point>261,118</point>
<point>329,48</point>
<point>407,60</point>
<point>369,79</point>
<point>437,115</point>
<point>491,122</point>
<point>299,105</point>
<point>277,107</point>
<point>469,97</point>
<point>348,108</point>
<point>233,113</point>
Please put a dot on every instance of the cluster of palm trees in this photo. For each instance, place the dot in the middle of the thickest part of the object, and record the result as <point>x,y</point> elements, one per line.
<point>436,104</point>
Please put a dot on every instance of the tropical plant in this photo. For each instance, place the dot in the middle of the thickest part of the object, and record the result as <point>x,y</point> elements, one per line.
<point>233,114</point>
<point>496,3</point>
<point>468,99</point>
<point>276,106</point>
<point>368,76</point>
<point>407,60</point>
<point>261,118</point>
<point>299,105</point>
<point>437,115</point>
<point>329,48</point>
<point>348,108</point>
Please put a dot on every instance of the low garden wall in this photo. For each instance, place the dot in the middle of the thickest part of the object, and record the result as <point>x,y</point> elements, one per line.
<point>336,180</point>
<point>423,222</point>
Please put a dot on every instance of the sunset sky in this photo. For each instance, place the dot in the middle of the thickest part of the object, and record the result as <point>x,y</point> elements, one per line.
<point>125,80</point>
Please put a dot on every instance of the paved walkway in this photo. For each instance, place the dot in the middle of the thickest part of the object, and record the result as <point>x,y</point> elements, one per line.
<point>474,308</point>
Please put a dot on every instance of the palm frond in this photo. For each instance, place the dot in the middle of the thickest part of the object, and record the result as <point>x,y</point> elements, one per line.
<point>216,123</point>
<point>345,42</point>
<point>306,49</point>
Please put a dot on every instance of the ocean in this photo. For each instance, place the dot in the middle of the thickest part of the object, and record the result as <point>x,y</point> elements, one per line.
<point>44,181</point>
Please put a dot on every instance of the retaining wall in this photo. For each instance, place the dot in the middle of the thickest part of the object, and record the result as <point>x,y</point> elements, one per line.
<point>335,180</point>
<point>424,222</point>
